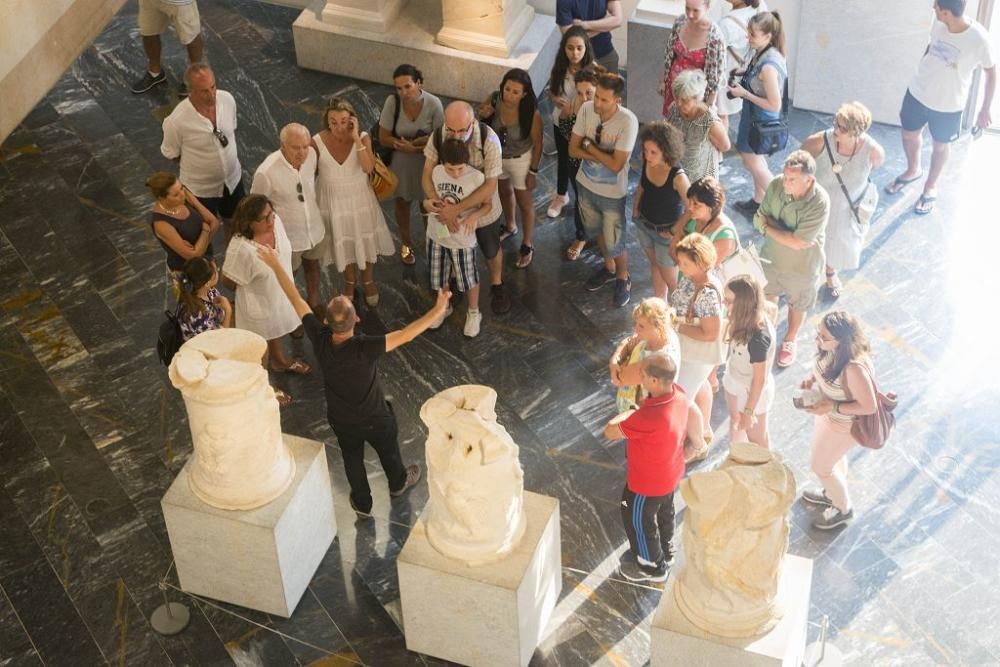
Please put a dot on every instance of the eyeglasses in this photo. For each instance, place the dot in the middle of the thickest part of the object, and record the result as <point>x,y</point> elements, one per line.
<point>840,128</point>
<point>298,188</point>
<point>267,218</point>
<point>223,139</point>
<point>457,133</point>
<point>597,134</point>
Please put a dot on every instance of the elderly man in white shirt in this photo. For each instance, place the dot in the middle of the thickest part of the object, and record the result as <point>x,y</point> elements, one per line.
<point>201,133</point>
<point>288,178</point>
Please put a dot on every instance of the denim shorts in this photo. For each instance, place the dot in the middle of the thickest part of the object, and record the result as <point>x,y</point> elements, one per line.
<point>650,239</point>
<point>603,216</point>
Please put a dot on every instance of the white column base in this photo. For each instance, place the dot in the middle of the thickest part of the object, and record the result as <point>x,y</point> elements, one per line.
<point>487,616</point>
<point>374,16</point>
<point>499,46</point>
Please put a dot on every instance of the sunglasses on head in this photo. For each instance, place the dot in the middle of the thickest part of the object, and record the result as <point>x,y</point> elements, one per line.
<point>298,188</point>
<point>223,139</point>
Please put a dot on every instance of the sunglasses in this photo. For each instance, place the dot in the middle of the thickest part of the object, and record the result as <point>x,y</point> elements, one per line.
<point>223,139</point>
<point>298,188</point>
<point>597,134</point>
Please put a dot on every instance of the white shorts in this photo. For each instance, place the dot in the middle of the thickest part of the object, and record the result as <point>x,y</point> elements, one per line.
<point>316,252</point>
<point>741,393</point>
<point>516,170</point>
<point>156,15</point>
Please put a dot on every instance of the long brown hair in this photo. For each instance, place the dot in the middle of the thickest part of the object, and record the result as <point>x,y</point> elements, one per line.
<point>248,211</point>
<point>770,24</point>
<point>749,310</point>
<point>852,343</point>
<point>196,272</point>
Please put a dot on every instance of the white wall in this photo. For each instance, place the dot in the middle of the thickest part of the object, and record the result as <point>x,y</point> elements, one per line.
<point>39,39</point>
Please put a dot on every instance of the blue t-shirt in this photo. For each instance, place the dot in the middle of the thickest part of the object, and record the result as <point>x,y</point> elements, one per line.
<point>586,10</point>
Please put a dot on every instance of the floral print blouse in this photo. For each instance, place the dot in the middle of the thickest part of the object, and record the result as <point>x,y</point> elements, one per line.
<point>715,54</point>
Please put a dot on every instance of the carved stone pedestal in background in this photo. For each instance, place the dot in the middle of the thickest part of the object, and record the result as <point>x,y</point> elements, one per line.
<point>488,616</point>
<point>364,40</point>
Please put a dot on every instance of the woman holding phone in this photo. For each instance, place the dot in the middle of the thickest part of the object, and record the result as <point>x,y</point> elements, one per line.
<point>356,231</point>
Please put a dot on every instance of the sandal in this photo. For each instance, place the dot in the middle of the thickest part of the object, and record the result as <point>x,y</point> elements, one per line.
<point>833,284</point>
<point>298,367</point>
<point>899,183</point>
<point>348,291</point>
<point>925,204</point>
<point>406,255</point>
<point>282,398</point>
<point>574,250</point>
<point>507,233</point>
<point>371,298</point>
<point>527,254</point>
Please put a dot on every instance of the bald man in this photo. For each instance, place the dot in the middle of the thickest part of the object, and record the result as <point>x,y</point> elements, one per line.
<point>355,405</point>
<point>485,154</point>
<point>288,178</point>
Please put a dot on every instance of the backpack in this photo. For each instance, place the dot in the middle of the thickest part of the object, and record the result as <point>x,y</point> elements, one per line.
<point>169,338</point>
<point>873,430</point>
<point>439,139</point>
<point>380,149</point>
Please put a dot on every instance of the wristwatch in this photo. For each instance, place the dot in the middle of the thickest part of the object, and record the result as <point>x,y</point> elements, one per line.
<point>585,144</point>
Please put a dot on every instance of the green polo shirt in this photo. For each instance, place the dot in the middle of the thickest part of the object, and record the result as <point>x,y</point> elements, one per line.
<point>805,218</point>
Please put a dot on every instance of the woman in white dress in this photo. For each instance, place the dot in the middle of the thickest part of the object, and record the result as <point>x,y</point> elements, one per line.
<point>847,151</point>
<point>356,229</point>
<point>261,305</point>
<point>734,29</point>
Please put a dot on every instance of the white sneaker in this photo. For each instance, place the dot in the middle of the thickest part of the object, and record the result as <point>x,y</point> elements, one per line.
<point>436,324</point>
<point>472,321</point>
<point>556,205</point>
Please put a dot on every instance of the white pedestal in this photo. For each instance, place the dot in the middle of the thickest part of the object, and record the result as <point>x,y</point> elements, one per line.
<point>410,38</point>
<point>372,15</point>
<point>647,36</point>
<point>263,558</point>
<point>485,26</point>
<point>488,615</point>
<point>677,642</point>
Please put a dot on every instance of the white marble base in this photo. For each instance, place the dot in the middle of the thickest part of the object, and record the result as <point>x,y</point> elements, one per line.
<point>676,642</point>
<point>263,558</point>
<point>648,30</point>
<point>411,39</point>
<point>492,615</point>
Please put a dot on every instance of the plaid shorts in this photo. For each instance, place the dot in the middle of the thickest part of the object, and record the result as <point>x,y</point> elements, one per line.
<point>442,262</point>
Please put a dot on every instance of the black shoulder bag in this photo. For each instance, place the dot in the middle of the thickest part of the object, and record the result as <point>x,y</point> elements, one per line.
<point>767,137</point>
<point>169,338</point>
<point>385,152</point>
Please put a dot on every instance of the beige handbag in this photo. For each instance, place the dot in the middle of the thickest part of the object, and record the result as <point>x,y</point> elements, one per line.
<point>383,181</point>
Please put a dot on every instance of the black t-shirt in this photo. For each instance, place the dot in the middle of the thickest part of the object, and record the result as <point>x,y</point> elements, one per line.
<point>188,229</point>
<point>350,373</point>
<point>587,10</point>
<point>758,345</point>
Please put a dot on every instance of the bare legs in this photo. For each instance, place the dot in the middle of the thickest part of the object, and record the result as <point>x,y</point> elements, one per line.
<point>310,269</point>
<point>402,207</point>
<point>664,279</point>
<point>526,205</point>
<point>153,47</point>
<point>757,166</point>
<point>757,434</point>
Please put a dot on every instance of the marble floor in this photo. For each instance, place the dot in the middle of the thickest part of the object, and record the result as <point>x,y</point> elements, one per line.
<point>92,434</point>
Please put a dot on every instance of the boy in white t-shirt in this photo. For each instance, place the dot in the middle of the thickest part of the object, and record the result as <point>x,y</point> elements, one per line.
<point>453,250</point>
<point>938,93</point>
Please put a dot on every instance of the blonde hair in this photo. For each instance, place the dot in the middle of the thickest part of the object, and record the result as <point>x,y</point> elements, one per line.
<point>855,117</point>
<point>658,313</point>
<point>697,248</point>
<point>337,104</point>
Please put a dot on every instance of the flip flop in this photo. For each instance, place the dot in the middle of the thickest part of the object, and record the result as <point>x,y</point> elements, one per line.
<point>924,205</point>
<point>527,254</point>
<point>298,367</point>
<point>507,233</point>
<point>834,285</point>
<point>574,250</point>
<point>899,183</point>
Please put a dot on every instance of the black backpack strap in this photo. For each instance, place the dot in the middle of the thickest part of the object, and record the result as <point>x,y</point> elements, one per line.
<point>483,130</point>
<point>395,117</point>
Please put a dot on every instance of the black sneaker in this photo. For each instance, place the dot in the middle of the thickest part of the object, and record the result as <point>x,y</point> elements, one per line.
<point>638,574</point>
<point>817,497</point>
<point>182,90</point>
<point>831,518</point>
<point>361,515</point>
<point>148,81</point>
<point>747,207</point>
<point>499,299</point>
<point>623,291</point>
<point>599,279</point>
<point>412,477</point>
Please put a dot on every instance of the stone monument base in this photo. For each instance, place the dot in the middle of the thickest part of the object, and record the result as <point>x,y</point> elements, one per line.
<point>677,642</point>
<point>489,615</point>
<point>373,56</point>
<point>263,558</point>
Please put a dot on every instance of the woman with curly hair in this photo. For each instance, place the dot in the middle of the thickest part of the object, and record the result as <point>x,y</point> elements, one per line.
<point>658,205</point>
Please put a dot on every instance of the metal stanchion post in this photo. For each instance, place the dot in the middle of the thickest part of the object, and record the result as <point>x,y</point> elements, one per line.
<point>170,617</point>
<point>818,654</point>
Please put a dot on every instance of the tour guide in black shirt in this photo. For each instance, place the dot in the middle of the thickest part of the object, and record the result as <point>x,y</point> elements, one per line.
<point>355,406</point>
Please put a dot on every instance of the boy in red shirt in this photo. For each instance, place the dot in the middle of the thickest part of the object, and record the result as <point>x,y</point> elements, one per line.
<point>655,453</point>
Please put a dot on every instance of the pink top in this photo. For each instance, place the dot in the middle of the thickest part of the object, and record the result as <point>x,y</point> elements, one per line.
<point>683,59</point>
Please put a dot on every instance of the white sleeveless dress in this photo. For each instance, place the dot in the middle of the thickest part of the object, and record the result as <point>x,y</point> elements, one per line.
<point>356,231</point>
